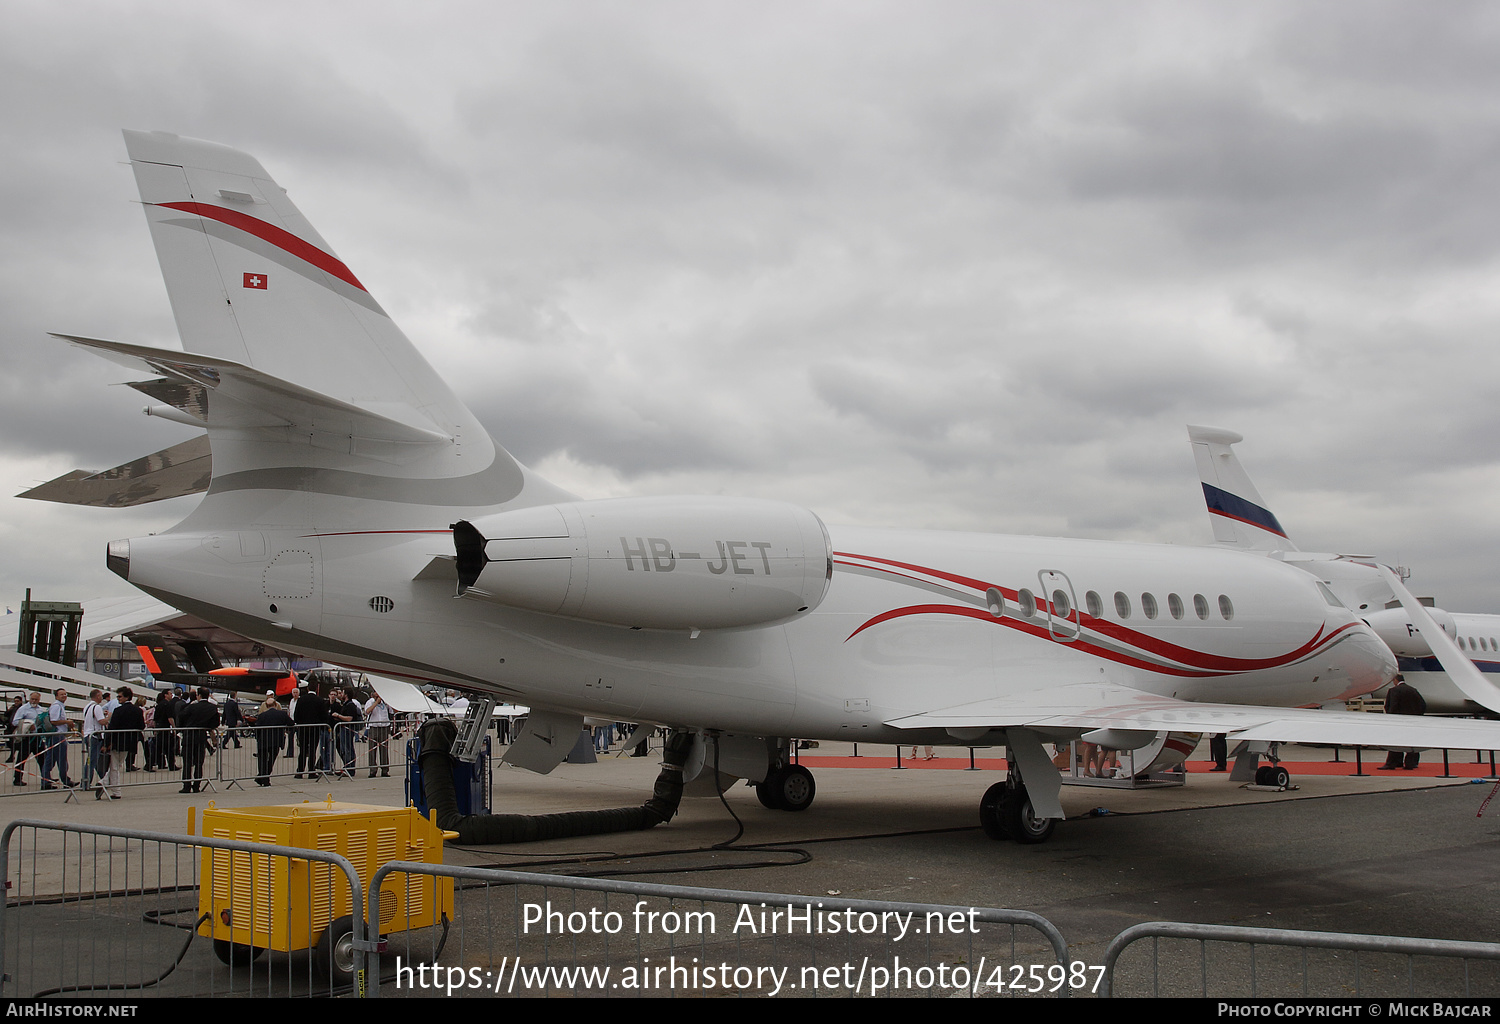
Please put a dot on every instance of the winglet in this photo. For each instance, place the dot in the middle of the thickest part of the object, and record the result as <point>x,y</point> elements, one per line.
<point>1469,680</point>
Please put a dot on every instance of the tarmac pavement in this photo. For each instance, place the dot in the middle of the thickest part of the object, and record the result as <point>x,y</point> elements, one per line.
<point>1390,853</point>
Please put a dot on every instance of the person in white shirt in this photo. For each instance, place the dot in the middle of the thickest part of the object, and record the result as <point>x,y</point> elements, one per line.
<point>95,721</point>
<point>378,733</point>
<point>57,742</point>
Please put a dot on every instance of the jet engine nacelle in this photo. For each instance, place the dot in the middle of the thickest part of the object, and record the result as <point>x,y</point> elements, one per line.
<point>1394,626</point>
<point>654,563</point>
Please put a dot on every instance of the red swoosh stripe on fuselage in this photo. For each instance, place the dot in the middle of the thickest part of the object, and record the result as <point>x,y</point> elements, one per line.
<point>1199,663</point>
<point>279,237</point>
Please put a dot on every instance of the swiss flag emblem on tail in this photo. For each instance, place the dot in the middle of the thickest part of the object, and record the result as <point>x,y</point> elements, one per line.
<point>255,281</point>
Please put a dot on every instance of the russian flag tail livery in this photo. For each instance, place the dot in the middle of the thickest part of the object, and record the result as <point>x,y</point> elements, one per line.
<point>1236,509</point>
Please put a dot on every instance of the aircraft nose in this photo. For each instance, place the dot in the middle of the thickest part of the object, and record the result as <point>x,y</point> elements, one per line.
<point>1372,665</point>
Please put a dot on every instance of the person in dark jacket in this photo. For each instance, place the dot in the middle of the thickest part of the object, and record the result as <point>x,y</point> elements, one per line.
<point>311,716</point>
<point>125,727</point>
<point>200,719</point>
<point>233,718</point>
<point>271,727</point>
<point>1403,699</point>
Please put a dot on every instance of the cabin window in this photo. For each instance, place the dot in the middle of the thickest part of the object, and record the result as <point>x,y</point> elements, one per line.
<point>1226,607</point>
<point>1148,605</point>
<point>1122,605</point>
<point>1095,603</point>
<point>995,601</point>
<point>1482,646</point>
<point>1027,600</point>
<point>1200,605</point>
<point>1061,605</point>
<point>1174,605</point>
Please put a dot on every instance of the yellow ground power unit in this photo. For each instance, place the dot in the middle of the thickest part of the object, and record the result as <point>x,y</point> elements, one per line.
<point>249,903</point>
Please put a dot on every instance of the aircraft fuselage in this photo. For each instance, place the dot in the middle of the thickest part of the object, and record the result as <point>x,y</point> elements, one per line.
<point>912,621</point>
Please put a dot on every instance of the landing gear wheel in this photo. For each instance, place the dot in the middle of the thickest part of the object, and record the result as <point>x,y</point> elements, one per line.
<point>334,954</point>
<point>1273,775</point>
<point>788,788</point>
<point>236,954</point>
<point>989,812</point>
<point>796,788</point>
<point>1020,821</point>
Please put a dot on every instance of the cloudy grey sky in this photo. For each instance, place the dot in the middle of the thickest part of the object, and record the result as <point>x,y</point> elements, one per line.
<point>950,265</point>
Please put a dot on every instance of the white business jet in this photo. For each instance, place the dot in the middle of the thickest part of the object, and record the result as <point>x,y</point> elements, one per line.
<point>1241,520</point>
<point>357,512</point>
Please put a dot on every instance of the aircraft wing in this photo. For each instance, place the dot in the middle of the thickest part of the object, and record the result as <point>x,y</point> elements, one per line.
<point>1089,706</point>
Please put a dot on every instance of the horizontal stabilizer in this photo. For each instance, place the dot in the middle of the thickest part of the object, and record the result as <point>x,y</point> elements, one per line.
<point>170,473</point>
<point>247,398</point>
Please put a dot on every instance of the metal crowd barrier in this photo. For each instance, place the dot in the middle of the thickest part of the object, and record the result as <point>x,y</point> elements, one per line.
<point>232,756</point>
<point>520,933</point>
<point>97,911</point>
<point>1238,965</point>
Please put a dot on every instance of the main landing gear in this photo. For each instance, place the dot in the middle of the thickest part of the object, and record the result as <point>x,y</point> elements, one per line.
<point>1273,775</point>
<point>1005,812</point>
<point>789,787</point>
<point>1010,810</point>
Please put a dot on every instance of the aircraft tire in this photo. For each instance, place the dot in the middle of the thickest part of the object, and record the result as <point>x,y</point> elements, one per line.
<point>765,790</point>
<point>989,812</point>
<point>794,787</point>
<point>1020,821</point>
<point>236,954</point>
<point>1273,775</point>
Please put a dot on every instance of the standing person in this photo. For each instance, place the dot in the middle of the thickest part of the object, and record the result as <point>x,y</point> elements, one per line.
<point>200,719</point>
<point>161,735</point>
<point>126,725</point>
<point>233,718</point>
<point>24,721</point>
<point>57,750</point>
<point>311,716</point>
<point>10,728</point>
<point>271,731</point>
<point>1403,699</point>
<point>95,721</point>
<point>182,697</point>
<point>166,750</point>
<point>378,732</point>
<point>346,717</point>
<point>1218,749</point>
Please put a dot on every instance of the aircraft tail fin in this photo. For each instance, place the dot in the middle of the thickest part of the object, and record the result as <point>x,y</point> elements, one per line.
<point>310,387</point>
<point>1235,508</point>
<point>251,281</point>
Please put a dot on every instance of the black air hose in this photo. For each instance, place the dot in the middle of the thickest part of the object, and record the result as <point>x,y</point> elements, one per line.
<point>436,738</point>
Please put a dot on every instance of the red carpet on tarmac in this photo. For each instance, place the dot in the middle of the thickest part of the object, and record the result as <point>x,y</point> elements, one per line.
<point>1431,767</point>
